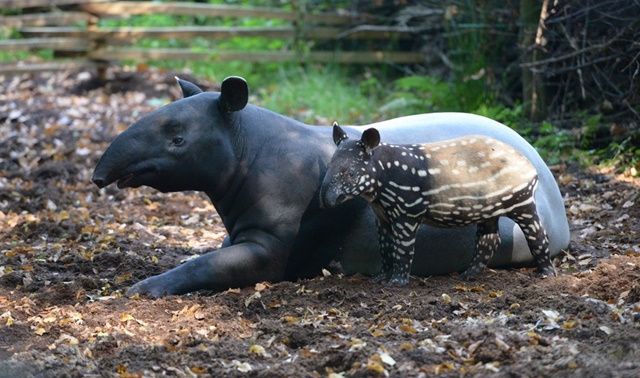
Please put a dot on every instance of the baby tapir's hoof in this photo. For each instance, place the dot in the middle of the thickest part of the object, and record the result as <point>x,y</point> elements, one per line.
<point>471,273</point>
<point>398,280</point>
<point>547,271</point>
<point>381,277</point>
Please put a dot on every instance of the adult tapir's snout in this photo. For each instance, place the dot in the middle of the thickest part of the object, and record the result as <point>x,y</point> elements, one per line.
<point>125,159</point>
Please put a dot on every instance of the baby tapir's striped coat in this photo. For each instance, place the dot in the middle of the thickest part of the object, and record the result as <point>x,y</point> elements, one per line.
<point>469,180</point>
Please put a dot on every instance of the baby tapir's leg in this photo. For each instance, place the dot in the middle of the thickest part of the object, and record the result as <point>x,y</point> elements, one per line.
<point>404,239</point>
<point>487,243</point>
<point>386,245</point>
<point>527,218</point>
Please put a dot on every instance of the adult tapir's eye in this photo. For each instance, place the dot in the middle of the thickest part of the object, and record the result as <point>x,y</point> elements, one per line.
<point>177,141</point>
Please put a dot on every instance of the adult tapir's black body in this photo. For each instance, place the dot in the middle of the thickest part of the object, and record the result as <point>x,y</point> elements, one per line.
<point>263,172</point>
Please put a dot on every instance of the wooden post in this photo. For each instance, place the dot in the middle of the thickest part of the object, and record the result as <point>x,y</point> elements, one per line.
<point>94,45</point>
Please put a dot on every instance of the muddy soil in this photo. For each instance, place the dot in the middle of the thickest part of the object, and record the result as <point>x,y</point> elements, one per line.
<point>68,251</point>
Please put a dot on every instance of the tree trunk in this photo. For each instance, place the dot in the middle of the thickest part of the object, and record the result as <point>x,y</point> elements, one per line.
<point>533,13</point>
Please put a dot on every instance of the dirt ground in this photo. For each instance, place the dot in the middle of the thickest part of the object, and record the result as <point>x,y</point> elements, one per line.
<point>68,251</point>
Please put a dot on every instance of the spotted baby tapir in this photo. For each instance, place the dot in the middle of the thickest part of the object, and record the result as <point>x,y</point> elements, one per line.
<point>453,183</point>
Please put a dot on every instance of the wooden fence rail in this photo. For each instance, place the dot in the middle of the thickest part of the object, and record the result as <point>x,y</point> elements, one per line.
<point>43,19</point>
<point>211,32</point>
<point>60,44</point>
<point>359,57</point>
<point>73,27</point>
<point>120,8</point>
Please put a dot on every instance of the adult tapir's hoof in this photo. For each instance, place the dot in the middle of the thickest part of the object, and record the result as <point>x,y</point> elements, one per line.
<point>154,287</point>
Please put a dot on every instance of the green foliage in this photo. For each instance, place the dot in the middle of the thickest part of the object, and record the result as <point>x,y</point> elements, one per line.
<point>624,155</point>
<point>554,145</point>
<point>12,56</point>
<point>511,117</point>
<point>429,94</point>
<point>418,94</point>
<point>317,95</point>
<point>592,125</point>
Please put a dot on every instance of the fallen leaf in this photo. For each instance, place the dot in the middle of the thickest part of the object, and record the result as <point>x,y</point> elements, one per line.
<point>255,295</point>
<point>605,329</point>
<point>68,339</point>
<point>443,368</point>
<point>8,318</point>
<point>198,370</point>
<point>356,344</point>
<point>374,364</point>
<point>260,286</point>
<point>290,319</point>
<point>257,349</point>
<point>40,331</point>
<point>386,358</point>
<point>406,346</point>
<point>243,367</point>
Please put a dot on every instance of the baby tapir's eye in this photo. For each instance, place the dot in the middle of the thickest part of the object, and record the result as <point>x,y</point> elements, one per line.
<point>177,141</point>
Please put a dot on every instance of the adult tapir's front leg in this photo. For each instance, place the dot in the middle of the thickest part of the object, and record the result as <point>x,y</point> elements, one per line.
<point>238,265</point>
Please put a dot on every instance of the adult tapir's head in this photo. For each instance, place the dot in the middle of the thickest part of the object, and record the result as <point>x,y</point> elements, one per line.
<point>350,172</point>
<point>188,144</point>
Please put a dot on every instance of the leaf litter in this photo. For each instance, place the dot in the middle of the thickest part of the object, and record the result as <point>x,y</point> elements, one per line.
<point>68,251</point>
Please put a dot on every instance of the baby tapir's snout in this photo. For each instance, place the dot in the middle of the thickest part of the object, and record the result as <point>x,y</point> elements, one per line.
<point>346,177</point>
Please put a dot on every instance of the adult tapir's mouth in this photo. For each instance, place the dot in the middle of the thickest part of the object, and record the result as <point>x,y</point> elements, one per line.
<point>124,182</point>
<point>130,178</point>
<point>135,179</point>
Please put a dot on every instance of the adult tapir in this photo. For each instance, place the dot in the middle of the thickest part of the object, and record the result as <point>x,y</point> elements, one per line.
<point>263,171</point>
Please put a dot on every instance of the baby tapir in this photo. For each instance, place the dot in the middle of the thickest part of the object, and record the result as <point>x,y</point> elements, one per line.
<point>468,180</point>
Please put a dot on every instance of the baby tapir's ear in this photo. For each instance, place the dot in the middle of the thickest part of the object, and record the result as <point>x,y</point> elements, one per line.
<point>370,139</point>
<point>234,94</point>
<point>338,134</point>
<point>188,88</point>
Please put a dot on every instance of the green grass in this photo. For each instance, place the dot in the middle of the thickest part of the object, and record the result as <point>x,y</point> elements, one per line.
<point>13,56</point>
<point>318,95</point>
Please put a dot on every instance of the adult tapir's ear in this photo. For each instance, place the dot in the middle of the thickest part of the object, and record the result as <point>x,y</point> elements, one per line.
<point>234,94</point>
<point>338,134</point>
<point>188,88</point>
<point>370,138</point>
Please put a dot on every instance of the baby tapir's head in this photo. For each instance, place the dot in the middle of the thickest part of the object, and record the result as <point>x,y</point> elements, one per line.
<point>349,173</point>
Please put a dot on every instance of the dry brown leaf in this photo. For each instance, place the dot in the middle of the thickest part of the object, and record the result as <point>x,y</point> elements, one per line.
<point>40,331</point>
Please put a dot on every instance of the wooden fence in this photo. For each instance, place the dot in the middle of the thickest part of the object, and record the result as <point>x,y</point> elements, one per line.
<point>71,28</point>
